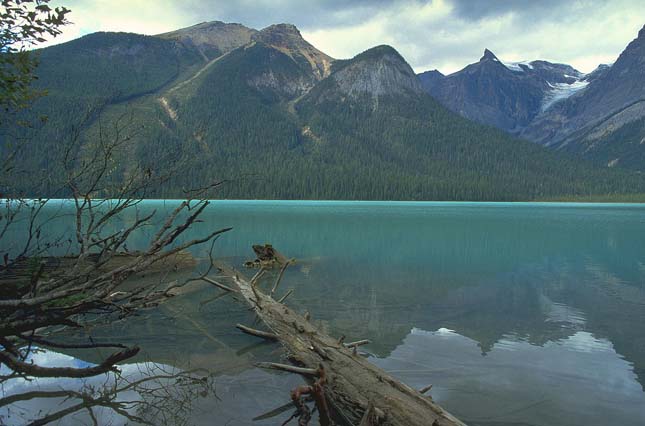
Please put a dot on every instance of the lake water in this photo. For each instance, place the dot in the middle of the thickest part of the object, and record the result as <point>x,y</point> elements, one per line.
<point>517,314</point>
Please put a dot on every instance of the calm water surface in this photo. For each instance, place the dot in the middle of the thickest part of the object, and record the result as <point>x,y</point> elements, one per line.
<point>518,314</point>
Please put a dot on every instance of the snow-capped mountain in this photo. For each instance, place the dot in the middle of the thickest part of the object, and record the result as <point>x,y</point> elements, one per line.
<point>600,115</point>
<point>508,95</point>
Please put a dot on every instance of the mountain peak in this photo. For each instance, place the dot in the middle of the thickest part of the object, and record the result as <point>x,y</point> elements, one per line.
<point>382,49</point>
<point>287,39</point>
<point>283,28</point>
<point>212,38</point>
<point>632,59</point>
<point>377,52</point>
<point>488,55</point>
<point>378,71</point>
<point>434,72</point>
<point>279,35</point>
<point>206,24</point>
<point>430,79</point>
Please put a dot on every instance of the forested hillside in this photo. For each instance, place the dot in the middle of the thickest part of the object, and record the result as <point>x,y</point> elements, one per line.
<point>277,118</point>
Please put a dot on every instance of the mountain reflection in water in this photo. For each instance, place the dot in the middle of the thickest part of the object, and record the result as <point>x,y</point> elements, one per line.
<point>518,314</point>
<point>577,380</point>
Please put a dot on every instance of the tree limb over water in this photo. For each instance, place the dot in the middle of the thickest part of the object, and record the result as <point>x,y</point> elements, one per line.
<point>43,295</point>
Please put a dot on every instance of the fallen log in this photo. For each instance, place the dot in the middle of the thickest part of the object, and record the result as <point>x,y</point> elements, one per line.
<point>356,391</point>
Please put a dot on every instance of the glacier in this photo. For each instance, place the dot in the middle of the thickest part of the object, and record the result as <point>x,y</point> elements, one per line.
<point>561,91</point>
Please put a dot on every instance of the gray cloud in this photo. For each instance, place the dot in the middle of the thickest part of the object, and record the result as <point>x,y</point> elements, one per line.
<point>450,34</point>
<point>306,14</point>
<point>443,34</point>
<point>481,9</point>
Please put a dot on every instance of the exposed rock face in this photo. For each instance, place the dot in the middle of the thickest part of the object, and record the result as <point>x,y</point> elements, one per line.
<point>287,86</point>
<point>287,39</point>
<point>552,73</point>
<point>284,63</point>
<point>277,60</point>
<point>376,72</point>
<point>491,93</point>
<point>118,49</point>
<point>430,79</point>
<point>597,73</point>
<point>214,38</point>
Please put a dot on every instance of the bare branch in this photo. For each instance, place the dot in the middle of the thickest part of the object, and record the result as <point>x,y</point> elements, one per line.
<point>35,370</point>
<point>277,281</point>
<point>288,368</point>
<point>257,333</point>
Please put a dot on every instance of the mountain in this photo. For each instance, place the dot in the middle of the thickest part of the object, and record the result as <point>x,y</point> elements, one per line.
<point>83,79</point>
<point>212,39</point>
<point>378,72</point>
<point>429,79</point>
<point>606,121</point>
<point>112,67</point>
<point>505,95</point>
<point>491,93</point>
<point>287,39</point>
<point>599,116</point>
<point>277,118</point>
<point>550,72</point>
<point>597,73</point>
<point>372,108</point>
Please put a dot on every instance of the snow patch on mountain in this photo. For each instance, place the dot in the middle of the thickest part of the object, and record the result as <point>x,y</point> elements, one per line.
<point>518,66</point>
<point>561,91</point>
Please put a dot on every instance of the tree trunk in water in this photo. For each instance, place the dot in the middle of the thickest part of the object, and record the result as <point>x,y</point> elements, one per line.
<point>352,384</point>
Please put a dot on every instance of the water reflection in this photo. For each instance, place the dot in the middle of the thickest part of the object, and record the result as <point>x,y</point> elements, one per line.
<point>577,380</point>
<point>538,310</point>
<point>140,393</point>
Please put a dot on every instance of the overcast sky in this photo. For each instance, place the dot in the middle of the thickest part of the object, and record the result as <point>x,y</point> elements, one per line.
<point>430,34</point>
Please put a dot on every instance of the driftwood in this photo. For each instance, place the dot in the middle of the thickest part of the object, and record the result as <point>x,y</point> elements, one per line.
<point>356,391</point>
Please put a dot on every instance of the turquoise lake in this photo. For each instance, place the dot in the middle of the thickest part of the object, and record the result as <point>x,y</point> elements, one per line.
<point>528,314</point>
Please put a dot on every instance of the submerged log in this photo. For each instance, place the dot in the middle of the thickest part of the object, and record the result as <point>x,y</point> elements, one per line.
<point>268,253</point>
<point>356,391</point>
<point>267,257</point>
<point>16,277</point>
